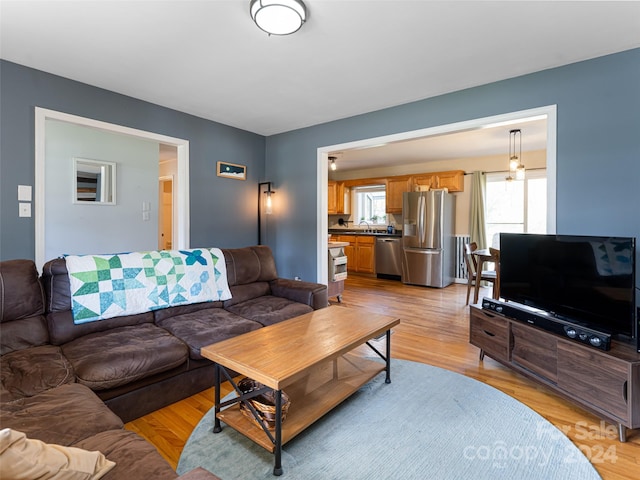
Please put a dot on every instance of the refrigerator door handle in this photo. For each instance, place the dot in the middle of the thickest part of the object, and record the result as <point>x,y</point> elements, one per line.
<point>421,220</point>
<point>423,251</point>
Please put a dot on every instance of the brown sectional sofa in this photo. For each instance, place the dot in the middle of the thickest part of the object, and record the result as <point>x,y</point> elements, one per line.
<point>58,378</point>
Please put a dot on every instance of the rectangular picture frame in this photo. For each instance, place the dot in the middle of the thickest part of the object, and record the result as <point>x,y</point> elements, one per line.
<point>231,170</point>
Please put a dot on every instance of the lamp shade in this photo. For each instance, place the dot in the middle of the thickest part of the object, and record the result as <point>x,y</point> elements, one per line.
<point>278,17</point>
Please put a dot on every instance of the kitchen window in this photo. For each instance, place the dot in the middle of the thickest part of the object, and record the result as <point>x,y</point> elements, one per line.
<point>518,206</point>
<point>370,204</point>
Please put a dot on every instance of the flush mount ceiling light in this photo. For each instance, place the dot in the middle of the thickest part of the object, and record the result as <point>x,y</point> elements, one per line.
<point>278,17</point>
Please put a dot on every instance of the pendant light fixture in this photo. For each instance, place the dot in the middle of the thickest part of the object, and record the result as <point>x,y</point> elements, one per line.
<point>516,168</point>
<point>278,17</point>
<point>332,163</point>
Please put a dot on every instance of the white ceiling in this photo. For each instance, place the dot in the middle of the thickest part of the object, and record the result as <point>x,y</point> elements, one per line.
<point>207,58</point>
<point>480,142</point>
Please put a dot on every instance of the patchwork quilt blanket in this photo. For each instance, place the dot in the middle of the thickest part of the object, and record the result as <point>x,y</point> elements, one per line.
<point>106,286</point>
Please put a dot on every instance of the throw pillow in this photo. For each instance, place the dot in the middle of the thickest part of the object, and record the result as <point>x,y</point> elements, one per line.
<point>26,459</point>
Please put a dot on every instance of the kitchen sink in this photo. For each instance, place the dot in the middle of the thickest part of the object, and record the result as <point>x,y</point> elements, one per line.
<point>361,232</point>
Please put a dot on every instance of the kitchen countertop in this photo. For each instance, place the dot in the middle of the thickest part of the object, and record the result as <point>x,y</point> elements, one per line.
<point>338,244</point>
<point>377,233</point>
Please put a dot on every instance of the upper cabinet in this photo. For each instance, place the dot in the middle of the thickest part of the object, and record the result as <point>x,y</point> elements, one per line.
<point>396,186</point>
<point>338,200</point>
<point>452,180</point>
<point>332,204</point>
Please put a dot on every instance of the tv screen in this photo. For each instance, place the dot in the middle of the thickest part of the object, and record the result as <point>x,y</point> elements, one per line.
<point>583,279</point>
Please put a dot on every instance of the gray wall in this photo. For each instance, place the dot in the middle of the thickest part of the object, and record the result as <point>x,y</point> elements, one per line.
<point>93,228</point>
<point>598,149</point>
<point>223,211</point>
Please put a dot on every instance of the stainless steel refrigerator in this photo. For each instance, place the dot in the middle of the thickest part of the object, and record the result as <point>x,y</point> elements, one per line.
<point>428,243</point>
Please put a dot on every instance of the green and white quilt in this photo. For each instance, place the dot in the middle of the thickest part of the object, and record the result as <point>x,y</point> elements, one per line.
<point>106,286</point>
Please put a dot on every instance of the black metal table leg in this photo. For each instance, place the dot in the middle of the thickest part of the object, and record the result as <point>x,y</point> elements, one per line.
<point>388,378</point>
<point>216,381</point>
<point>277,469</point>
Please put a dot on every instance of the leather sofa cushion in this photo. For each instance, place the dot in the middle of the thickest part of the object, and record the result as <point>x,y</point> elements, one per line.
<point>312,294</point>
<point>63,415</point>
<point>23,333</point>
<point>249,264</point>
<point>242,293</point>
<point>163,313</point>
<point>62,329</point>
<point>199,329</point>
<point>21,294</point>
<point>21,307</point>
<point>55,280</point>
<point>27,372</point>
<point>268,310</point>
<point>122,355</point>
<point>135,458</point>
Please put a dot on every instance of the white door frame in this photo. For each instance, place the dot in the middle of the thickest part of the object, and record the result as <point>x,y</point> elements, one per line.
<point>181,239</point>
<point>550,111</point>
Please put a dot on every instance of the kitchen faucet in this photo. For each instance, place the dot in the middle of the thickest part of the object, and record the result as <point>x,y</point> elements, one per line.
<point>367,224</point>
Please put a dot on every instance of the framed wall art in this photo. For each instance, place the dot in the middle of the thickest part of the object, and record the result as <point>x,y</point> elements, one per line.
<point>232,170</point>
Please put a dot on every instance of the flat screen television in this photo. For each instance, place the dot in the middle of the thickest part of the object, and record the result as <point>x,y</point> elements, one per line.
<point>587,280</point>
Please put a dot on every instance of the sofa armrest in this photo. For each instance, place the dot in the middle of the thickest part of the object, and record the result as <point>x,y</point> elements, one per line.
<point>198,474</point>
<point>312,294</point>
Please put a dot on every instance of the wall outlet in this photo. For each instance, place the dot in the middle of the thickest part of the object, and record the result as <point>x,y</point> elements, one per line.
<point>24,209</point>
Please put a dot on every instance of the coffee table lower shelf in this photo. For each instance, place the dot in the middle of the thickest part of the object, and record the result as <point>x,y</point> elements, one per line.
<point>311,397</point>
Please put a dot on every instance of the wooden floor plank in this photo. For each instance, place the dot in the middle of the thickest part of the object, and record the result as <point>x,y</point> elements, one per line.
<point>434,330</point>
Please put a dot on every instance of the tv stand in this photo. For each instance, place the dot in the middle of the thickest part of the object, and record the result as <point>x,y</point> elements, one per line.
<point>606,383</point>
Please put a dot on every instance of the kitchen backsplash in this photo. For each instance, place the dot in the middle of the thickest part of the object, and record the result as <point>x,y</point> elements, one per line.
<point>351,224</point>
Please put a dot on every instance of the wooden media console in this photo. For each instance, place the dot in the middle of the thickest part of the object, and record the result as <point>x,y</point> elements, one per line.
<point>606,383</point>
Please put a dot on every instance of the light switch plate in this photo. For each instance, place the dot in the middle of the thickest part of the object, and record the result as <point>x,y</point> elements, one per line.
<point>24,193</point>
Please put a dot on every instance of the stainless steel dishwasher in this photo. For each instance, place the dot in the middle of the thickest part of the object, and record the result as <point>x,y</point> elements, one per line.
<point>389,257</point>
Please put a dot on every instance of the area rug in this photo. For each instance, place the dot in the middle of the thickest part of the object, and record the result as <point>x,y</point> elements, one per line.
<point>429,423</point>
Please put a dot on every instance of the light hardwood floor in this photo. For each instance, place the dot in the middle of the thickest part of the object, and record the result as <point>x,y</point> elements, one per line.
<point>434,329</point>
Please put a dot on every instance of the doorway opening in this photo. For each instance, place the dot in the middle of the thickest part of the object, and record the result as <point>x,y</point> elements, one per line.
<point>549,112</point>
<point>180,184</point>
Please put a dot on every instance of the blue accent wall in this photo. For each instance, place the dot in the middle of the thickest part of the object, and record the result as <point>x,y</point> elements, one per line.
<point>598,152</point>
<point>223,211</point>
<point>598,149</point>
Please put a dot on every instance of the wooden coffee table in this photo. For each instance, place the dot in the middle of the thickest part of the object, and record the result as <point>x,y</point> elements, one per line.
<point>308,357</point>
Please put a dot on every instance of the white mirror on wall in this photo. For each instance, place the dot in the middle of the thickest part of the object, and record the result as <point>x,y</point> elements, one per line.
<point>94,182</point>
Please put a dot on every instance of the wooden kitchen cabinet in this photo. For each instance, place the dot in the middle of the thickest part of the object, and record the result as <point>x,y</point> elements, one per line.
<point>452,180</point>
<point>395,187</point>
<point>424,180</point>
<point>332,204</point>
<point>365,254</point>
<point>349,250</point>
<point>338,200</point>
<point>360,252</point>
<point>606,383</point>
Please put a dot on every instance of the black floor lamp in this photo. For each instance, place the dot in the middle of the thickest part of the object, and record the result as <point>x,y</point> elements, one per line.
<point>267,206</point>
